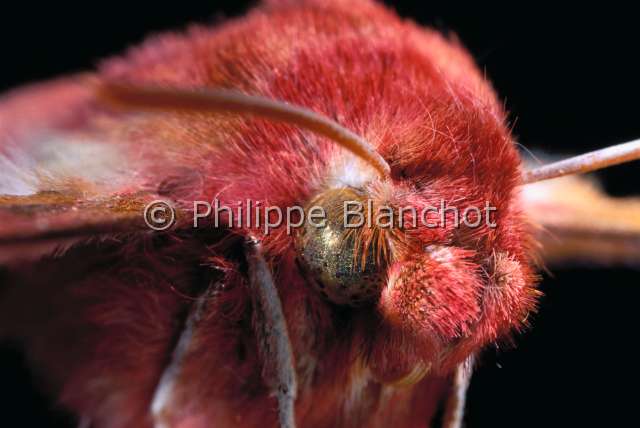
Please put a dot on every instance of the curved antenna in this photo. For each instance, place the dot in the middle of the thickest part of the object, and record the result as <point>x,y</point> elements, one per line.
<point>598,159</point>
<point>226,101</point>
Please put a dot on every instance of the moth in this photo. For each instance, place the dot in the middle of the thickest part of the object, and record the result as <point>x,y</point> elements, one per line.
<point>296,104</point>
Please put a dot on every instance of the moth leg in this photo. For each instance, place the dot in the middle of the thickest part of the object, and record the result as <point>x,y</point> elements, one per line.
<point>163,395</point>
<point>271,332</point>
<point>454,411</point>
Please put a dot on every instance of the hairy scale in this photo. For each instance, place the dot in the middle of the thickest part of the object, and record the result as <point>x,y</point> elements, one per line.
<point>443,295</point>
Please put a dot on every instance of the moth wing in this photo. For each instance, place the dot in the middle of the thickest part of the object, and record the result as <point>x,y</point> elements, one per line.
<point>578,222</point>
<point>67,169</point>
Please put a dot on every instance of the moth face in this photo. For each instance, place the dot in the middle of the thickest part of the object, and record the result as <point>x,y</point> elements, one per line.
<point>358,251</point>
<point>438,291</point>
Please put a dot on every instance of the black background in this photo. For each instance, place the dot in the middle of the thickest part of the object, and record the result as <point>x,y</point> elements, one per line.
<point>569,78</point>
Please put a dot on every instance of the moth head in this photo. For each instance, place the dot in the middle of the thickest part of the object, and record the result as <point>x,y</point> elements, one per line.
<point>437,298</point>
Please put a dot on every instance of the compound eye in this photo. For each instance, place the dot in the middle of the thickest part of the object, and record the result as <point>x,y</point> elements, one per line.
<point>343,273</point>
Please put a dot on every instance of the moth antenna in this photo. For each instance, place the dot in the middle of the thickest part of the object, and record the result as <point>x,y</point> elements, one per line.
<point>227,101</point>
<point>592,161</point>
